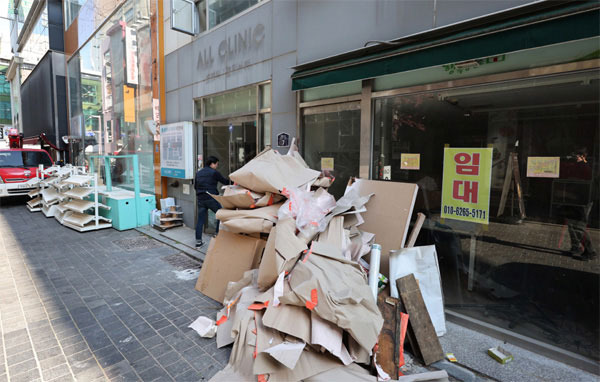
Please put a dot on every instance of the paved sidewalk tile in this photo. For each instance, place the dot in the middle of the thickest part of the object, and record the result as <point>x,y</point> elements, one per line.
<point>97,306</point>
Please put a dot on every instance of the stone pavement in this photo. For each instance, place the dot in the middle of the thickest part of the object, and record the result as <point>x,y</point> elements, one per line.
<point>104,305</point>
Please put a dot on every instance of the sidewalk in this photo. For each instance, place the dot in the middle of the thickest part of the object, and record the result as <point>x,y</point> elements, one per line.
<point>98,306</point>
<point>469,346</point>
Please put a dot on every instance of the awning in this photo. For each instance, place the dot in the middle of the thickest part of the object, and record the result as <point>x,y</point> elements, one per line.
<point>572,22</point>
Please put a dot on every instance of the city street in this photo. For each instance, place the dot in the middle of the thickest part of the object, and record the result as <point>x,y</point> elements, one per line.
<point>104,305</point>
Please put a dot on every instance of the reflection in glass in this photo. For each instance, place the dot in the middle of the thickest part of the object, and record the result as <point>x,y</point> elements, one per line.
<point>111,105</point>
<point>332,137</point>
<point>221,10</point>
<point>538,275</point>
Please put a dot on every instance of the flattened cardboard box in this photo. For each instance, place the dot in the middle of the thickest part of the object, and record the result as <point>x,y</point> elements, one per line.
<point>388,213</point>
<point>229,255</point>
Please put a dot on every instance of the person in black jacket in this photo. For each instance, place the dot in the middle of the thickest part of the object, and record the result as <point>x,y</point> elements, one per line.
<point>205,183</point>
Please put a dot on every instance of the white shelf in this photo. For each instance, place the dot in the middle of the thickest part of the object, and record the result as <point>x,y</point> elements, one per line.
<point>88,227</point>
<point>35,202</point>
<point>79,205</point>
<point>49,195</point>
<point>33,193</point>
<point>79,192</point>
<point>79,180</point>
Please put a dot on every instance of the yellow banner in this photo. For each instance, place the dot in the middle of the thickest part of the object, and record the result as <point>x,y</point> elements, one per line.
<point>129,104</point>
<point>466,184</point>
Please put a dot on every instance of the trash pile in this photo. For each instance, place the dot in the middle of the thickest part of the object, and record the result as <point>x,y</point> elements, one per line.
<point>288,266</point>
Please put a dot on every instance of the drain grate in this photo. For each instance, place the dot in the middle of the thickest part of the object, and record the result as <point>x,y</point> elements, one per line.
<point>138,243</point>
<point>181,261</point>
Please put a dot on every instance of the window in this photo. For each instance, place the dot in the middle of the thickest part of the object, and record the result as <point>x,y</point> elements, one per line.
<point>24,159</point>
<point>196,16</point>
<point>71,8</point>
<point>183,16</point>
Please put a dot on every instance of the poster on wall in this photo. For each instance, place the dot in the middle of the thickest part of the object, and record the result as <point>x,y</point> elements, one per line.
<point>176,159</point>
<point>466,184</point>
<point>543,167</point>
<point>327,164</point>
<point>410,161</point>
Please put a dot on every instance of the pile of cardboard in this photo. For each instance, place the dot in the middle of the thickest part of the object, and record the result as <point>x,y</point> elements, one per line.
<point>285,265</point>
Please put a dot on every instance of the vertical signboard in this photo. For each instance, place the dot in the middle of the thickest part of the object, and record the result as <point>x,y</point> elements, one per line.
<point>466,184</point>
<point>131,59</point>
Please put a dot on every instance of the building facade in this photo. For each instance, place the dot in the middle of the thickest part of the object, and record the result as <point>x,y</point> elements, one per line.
<point>109,48</point>
<point>386,91</point>
<point>37,72</point>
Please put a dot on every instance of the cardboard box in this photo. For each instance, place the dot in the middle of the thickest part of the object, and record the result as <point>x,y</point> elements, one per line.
<point>229,255</point>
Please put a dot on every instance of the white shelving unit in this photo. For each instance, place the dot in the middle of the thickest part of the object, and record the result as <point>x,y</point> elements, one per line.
<point>65,194</point>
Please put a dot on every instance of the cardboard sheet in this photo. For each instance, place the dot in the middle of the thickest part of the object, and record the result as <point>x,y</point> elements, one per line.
<point>238,296</point>
<point>329,336</point>
<point>239,197</point>
<point>272,172</point>
<point>388,213</point>
<point>350,373</point>
<point>204,326</point>
<point>267,213</point>
<point>309,363</point>
<point>250,225</point>
<point>282,250</point>
<point>337,291</point>
<point>289,319</point>
<point>228,257</point>
<point>287,353</point>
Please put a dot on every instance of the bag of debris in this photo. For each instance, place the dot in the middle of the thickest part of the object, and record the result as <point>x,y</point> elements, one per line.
<point>308,208</point>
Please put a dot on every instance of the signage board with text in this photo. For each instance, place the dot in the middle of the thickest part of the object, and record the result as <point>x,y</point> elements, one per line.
<point>466,184</point>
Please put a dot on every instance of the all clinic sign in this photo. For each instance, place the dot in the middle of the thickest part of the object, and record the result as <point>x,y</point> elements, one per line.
<point>232,46</point>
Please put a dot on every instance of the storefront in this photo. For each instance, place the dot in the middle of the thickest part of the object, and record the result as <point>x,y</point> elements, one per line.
<point>236,125</point>
<point>522,87</point>
<point>232,80</point>
<point>110,88</point>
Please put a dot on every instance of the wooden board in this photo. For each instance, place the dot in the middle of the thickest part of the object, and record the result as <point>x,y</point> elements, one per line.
<point>517,177</point>
<point>388,351</point>
<point>506,186</point>
<point>412,239</point>
<point>425,339</point>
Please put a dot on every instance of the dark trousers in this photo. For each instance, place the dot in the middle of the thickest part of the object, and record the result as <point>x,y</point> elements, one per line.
<point>203,207</point>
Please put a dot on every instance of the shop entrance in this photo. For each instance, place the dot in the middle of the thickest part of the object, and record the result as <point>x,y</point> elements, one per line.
<point>232,140</point>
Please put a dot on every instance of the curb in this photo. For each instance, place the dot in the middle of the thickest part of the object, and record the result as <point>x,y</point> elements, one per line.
<point>194,254</point>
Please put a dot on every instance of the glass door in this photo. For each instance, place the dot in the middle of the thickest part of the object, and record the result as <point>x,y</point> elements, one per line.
<point>232,140</point>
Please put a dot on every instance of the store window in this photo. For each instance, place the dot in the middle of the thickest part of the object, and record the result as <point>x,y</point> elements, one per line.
<point>331,141</point>
<point>111,105</point>
<point>534,268</point>
<point>235,125</point>
<point>197,16</point>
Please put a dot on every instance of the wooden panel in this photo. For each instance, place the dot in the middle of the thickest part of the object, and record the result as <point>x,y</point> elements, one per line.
<point>419,324</point>
<point>388,352</point>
